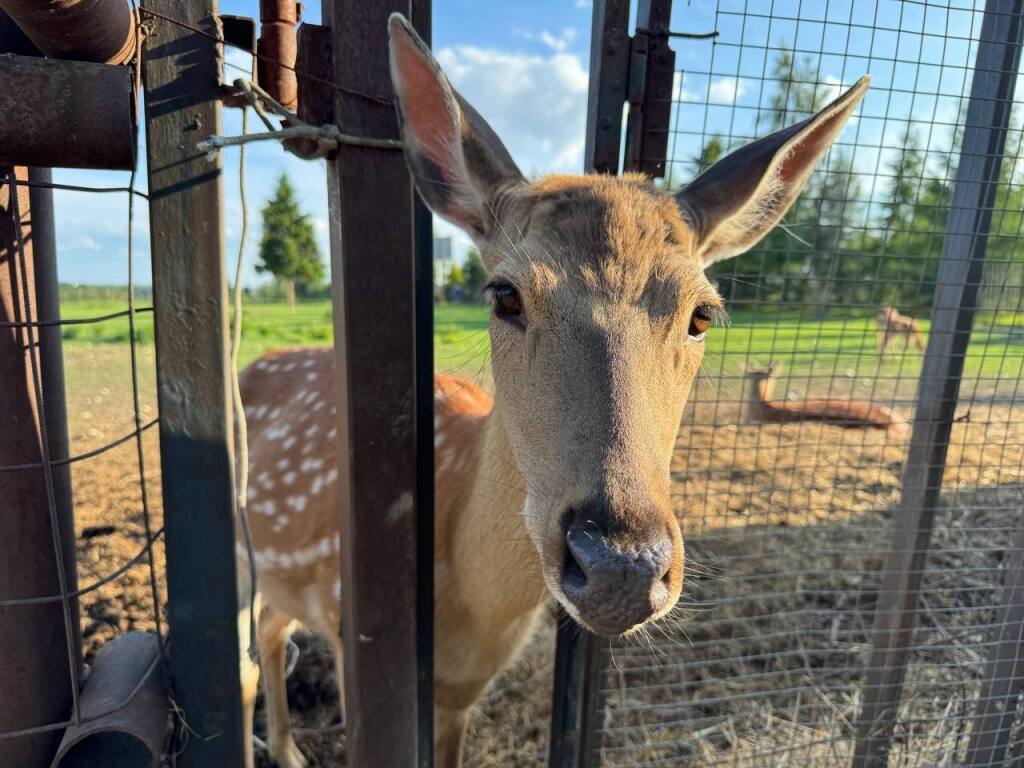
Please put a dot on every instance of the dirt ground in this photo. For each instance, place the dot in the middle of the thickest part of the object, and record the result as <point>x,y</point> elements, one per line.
<point>786,534</point>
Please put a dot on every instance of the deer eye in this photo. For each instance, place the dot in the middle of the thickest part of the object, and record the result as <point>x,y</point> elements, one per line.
<point>508,305</point>
<point>701,320</point>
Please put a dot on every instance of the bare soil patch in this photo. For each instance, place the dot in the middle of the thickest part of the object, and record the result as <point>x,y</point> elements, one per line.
<point>787,528</point>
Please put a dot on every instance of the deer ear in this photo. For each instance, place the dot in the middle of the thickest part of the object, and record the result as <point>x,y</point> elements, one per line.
<point>739,199</point>
<point>455,157</point>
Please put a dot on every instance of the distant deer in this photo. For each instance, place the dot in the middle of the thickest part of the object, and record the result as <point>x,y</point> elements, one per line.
<point>892,324</point>
<point>852,414</point>
<point>560,486</point>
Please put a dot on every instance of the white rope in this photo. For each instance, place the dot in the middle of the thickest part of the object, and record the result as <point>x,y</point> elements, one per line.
<point>241,427</point>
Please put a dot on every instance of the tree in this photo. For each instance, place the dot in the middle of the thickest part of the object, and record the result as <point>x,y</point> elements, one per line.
<point>475,275</point>
<point>455,286</point>
<point>288,248</point>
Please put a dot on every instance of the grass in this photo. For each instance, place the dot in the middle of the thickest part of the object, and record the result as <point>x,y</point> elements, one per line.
<point>808,349</point>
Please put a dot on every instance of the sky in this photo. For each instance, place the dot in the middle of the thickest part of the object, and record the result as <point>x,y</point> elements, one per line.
<point>524,67</point>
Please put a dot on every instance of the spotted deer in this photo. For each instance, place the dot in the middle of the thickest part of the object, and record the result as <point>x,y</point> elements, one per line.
<point>851,414</point>
<point>559,486</point>
<point>892,324</point>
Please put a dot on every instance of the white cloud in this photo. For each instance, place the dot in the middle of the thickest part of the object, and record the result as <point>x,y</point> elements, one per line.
<point>584,3</point>
<point>536,104</point>
<point>557,43</point>
<point>720,91</point>
<point>725,90</point>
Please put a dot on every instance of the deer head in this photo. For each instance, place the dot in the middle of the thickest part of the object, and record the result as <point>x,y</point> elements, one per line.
<point>600,309</point>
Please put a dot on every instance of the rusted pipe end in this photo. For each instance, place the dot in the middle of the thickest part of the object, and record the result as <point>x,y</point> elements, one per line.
<point>277,50</point>
<point>101,31</point>
<point>124,708</point>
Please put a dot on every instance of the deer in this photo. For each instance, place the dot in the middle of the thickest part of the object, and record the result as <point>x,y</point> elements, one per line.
<point>557,487</point>
<point>892,324</point>
<point>851,414</point>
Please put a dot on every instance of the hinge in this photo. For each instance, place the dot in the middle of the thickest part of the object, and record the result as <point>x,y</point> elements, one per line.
<point>651,75</point>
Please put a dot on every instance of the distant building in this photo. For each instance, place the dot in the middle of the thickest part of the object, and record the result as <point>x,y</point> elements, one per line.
<point>442,264</point>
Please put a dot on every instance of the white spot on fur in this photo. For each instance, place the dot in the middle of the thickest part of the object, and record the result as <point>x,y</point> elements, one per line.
<point>276,433</point>
<point>263,508</point>
<point>309,363</point>
<point>336,589</point>
<point>332,433</point>
<point>288,478</point>
<point>312,376</point>
<point>332,475</point>
<point>289,442</point>
<point>298,503</point>
<point>308,465</point>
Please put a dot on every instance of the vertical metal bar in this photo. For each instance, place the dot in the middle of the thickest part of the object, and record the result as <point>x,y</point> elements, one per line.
<point>956,292</point>
<point>652,70</point>
<point>609,74</point>
<point>579,664</point>
<point>181,74</point>
<point>1004,672</point>
<point>424,328</point>
<point>380,392</point>
<point>38,657</point>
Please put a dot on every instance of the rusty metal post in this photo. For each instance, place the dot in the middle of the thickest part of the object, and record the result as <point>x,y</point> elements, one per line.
<point>277,47</point>
<point>40,645</point>
<point>181,71</point>
<point>387,461</point>
<point>88,121</point>
<point>85,30</point>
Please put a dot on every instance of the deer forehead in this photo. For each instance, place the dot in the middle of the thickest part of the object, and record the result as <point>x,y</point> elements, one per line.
<point>589,239</point>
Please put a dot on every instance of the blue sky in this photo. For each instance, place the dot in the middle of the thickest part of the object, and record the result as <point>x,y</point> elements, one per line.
<point>524,66</point>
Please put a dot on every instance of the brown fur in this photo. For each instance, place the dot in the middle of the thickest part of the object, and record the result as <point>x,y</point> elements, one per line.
<point>891,325</point>
<point>590,378</point>
<point>851,414</point>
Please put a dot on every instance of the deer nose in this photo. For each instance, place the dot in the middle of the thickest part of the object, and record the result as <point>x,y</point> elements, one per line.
<point>615,587</point>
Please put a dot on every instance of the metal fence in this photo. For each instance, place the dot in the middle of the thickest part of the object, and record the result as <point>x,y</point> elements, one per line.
<point>853,596</point>
<point>81,540</point>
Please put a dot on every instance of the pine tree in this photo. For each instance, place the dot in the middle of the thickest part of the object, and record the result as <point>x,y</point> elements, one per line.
<point>475,275</point>
<point>288,248</point>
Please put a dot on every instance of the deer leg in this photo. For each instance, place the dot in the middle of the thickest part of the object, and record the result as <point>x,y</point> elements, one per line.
<point>250,676</point>
<point>450,734</point>
<point>249,669</point>
<point>274,630</point>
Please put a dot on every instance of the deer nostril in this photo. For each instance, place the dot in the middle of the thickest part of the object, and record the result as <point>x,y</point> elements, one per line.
<point>573,574</point>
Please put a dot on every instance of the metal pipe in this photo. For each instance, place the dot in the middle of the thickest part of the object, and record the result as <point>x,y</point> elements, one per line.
<point>277,49</point>
<point>85,30</point>
<point>124,709</point>
<point>38,659</point>
<point>66,114</point>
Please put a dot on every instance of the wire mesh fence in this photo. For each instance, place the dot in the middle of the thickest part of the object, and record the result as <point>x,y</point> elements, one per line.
<point>789,523</point>
<point>113,556</point>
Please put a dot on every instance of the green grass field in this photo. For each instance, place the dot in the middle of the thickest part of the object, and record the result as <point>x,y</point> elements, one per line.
<point>843,348</point>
